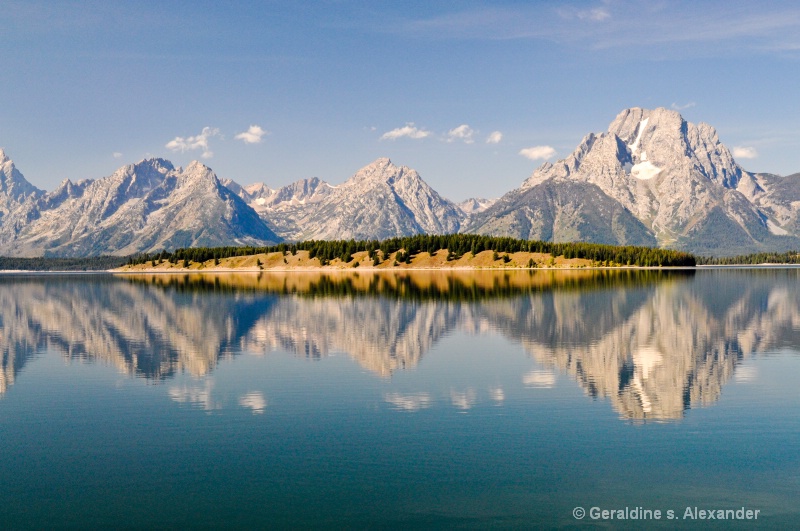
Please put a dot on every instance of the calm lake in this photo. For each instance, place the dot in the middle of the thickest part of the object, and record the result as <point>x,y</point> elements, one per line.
<point>423,400</point>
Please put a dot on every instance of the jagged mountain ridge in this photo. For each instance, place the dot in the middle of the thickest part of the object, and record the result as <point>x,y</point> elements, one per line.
<point>146,206</point>
<point>379,201</point>
<point>281,208</point>
<point>651,179</point>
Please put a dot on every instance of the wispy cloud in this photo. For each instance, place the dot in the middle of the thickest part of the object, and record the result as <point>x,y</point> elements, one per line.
<point>625,23</point>
<point>495,137</point>
<point>197,142</point>
<point>252,136</point>
<point>462,132</point>
<point>538,152</point>
<point>597,14</point>
<point>409,131</point>
<point>116,155</point>
<point>744,152</point>
<point>679,107</point>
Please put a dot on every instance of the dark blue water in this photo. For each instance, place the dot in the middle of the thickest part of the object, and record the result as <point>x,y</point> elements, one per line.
<point>424,400</point>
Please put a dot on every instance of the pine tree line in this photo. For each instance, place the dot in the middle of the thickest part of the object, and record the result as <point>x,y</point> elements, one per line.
<point>406,247</point>
<point>789,257</point>
<point>94,263</point>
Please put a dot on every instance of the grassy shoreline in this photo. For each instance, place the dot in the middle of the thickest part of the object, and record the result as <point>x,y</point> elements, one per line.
<point>420,252</point>
<point>360,261</point>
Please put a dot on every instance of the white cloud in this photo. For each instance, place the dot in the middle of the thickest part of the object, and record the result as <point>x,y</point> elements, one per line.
<point>538,152</point>
<point>679,107</point>
<point>744,152</point>
<point>596,15</point>
<point>117,154</point>
<point>252,136</point>
<point>409,130</point>
<point>462,132</point>
<point>495,137</point>
<point>192,143</point>
<point>254,401</point>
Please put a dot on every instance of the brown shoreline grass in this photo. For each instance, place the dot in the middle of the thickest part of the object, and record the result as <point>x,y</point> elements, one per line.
<point>277,261</point>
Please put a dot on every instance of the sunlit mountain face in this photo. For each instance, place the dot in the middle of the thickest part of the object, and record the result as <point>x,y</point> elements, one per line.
<point>653,344</point>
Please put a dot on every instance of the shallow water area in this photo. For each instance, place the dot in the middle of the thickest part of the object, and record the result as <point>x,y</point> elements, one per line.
<point>416,399</point>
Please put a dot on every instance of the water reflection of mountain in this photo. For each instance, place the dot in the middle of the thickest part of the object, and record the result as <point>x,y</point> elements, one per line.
<point>142,329</point>
<point>653,343</point>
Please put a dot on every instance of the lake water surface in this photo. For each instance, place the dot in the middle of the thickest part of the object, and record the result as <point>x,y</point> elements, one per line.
<point>441,399</point>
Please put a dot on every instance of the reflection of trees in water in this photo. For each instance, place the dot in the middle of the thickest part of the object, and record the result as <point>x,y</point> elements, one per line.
<point>654,343</point>
<point>435,286</point>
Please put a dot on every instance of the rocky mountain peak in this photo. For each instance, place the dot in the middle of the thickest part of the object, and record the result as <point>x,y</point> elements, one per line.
<point>256,190</point>
<point>13,184</point>
<point>474,205</point>
<point>155,164</point>
<point>627,123</point>
<point>197,168</point>
<point>380,171</point>
<point>676,178</point>
<point>198,174</point>
<point>660,138</point>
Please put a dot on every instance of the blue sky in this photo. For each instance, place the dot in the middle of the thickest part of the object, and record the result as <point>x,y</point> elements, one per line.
<point>331,86</point>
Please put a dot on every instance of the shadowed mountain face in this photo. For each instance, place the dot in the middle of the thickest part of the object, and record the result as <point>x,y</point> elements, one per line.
<point>653,344</point>
<point>563,212</point>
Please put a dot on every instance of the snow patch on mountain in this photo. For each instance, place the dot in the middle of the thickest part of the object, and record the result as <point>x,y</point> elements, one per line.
<point>645,170</point>
<point>635,146</point>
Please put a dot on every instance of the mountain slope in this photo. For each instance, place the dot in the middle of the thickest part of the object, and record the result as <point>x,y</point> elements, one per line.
<point>380,201</point>
<point>562,212</point>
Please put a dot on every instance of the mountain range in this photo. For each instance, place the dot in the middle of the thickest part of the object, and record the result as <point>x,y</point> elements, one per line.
<point>651,179</point>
